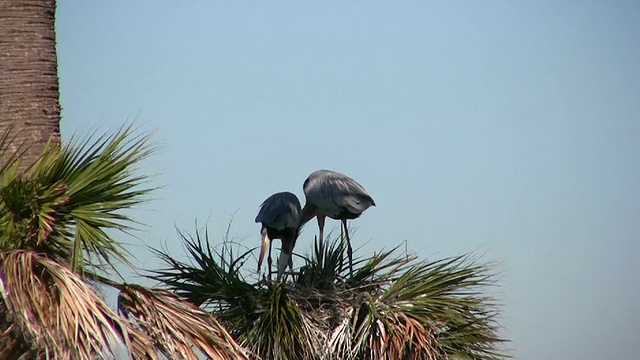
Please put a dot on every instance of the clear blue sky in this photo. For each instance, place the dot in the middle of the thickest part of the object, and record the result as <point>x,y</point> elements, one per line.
<point>503,127</point>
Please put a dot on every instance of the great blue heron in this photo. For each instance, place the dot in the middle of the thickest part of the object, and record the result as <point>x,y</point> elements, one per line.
<point>280,218</point>
<point>335,195</point>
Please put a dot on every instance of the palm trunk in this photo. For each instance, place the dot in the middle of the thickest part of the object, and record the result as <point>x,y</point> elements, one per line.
<point>29,97</point>
<point>29,105</point>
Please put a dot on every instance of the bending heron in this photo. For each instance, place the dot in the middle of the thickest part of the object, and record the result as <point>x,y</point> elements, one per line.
<point>280,218</point>
<point>337,196</point>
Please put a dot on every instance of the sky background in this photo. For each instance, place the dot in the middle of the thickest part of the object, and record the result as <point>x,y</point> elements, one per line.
<point>505,128</point>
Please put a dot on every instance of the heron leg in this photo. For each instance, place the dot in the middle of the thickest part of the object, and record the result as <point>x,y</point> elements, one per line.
<point>269,259</point>
<point>342,229</point>
<point>321,218</point>
<point>349,250</point>
<point>285,260</point>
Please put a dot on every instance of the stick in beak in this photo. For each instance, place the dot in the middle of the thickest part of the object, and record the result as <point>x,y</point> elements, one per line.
<point>265,242</point>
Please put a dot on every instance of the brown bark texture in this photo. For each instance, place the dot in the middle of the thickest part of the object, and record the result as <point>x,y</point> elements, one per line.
<point>29,96</point>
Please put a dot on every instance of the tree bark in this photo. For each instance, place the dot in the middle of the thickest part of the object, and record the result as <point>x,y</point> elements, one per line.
<point>29,103</point>
<point>29,96</point>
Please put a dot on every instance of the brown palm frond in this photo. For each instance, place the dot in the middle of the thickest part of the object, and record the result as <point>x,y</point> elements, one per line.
<point>57,313</point>
<point>377,332</point>
<point>404,337</point>
<point>176,326</point>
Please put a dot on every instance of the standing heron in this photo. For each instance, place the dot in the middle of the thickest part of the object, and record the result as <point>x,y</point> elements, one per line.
<point>280,218</point>
<point>335,195</point>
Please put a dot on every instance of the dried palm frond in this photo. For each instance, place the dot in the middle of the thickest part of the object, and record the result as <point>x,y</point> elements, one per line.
<point>57,313</point>
<point>176,325</point>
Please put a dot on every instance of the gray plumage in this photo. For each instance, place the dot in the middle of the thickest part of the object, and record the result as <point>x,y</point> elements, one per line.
<point>280,211</point>
<point>334,194</point>
<point>337,196</point>
<point>280,216</point>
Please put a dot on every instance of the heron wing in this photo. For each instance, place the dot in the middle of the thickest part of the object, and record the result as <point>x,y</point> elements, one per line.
<point>334,192</point>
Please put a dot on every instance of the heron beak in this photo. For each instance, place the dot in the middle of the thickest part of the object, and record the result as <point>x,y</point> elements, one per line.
<point>263,249</point>
<point>283,262</point>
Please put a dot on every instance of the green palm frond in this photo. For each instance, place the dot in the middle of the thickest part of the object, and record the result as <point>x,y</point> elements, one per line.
<point>324,267</point>
<point>262,317</point>
<point>281,330</point>
<point>210,278</point>
<point>393,307</point>
<point>56,218</point>
<point>71,197</point>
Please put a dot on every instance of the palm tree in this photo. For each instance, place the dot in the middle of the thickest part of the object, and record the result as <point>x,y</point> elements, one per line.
<point>56,211</point>
<point>29,104</point>
<point>57,207</point>
<point>55,247</point>
<point>394,306</point>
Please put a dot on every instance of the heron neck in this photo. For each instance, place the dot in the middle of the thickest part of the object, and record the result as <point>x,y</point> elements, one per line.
<point>308,212</point>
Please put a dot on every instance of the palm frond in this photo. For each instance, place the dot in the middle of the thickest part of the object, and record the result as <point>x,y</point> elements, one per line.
<point>57,313</point>
<point>263,317</point>
<point>324,267</point>
<point>176,325</point>
<point>210,277</point>
<point>427,310</point>
<point>70,198</point>
<point>281,329</point>
<point>393,307</point>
